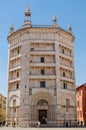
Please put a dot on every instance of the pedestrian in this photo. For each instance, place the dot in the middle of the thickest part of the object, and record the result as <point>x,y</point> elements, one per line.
<point>43,120</point>
<point>38,123</point>
<point>14,123</point>
<point>46,120</point>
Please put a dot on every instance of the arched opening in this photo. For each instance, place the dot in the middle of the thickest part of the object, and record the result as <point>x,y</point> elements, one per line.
<point>43,108</point>
<point>14,105</point>
<point>42,111</point>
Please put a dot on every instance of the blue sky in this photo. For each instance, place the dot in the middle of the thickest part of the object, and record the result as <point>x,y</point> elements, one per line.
<point>66,11</point>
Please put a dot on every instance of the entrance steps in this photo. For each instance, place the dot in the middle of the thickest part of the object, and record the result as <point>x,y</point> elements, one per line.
<point>48,125</point>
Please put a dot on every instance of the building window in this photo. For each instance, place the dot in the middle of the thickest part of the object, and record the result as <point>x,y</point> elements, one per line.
<point>65,85</point>
<point>30,91</point>
<point>14,110</point>
<point>17,74</point>
<point>42,59</point>
<point>17,86</point>
<point>42,84</point>
<point>77,103</point>
<point>32,49</point>
<point>14,102</point>
<point>42,71</point>
<point>30,61</point>
<point>55,91</point>
<point>67,104</point>
<point>64,74</point>
<point>63,51</point>
<point>80,113</point>
<point>18,51</point>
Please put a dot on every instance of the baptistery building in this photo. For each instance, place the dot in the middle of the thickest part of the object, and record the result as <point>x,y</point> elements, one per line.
<point>41,75</point>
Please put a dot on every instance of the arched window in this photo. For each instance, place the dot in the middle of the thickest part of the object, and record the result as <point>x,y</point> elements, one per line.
<point>14,102</point>
<point>18,51</point>
<point>67,102</point>
<point>17,74</point>
<point>63,51</point>
<point>65,85</point>
<point>64,74</point>
<point>17,85</point>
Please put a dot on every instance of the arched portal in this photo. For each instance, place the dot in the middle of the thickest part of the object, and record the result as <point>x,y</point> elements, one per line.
<point>43,107</point>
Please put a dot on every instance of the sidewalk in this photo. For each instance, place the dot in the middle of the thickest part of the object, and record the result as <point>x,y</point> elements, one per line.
<point>20,128</point>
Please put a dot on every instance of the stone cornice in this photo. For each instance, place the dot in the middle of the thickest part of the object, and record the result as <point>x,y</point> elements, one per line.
<point>41,29</point>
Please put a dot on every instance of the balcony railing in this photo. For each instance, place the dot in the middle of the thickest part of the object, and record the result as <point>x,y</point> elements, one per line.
<point>16,67</point>
<point>42,76</point>
<point>67,79</point>
<point>12,46</point>
<point>44,52</point>
<point>69,55</point>
<point>68,89</point>
<point>67,67</point>
<point>40,64</point>
<point>66,56</point>
<point>15,56</point>
<point>14,80</point>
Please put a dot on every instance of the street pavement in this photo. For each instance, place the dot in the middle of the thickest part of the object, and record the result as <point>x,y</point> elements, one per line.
<point>36,128</point>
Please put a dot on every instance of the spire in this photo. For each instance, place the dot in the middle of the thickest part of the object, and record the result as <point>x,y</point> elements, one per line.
<point>11,29</point>
<point>27,13</point>
<point>54,21</point>
<point>69,28</point>
<point>27,22</point>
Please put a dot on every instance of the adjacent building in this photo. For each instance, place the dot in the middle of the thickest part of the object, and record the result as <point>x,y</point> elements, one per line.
<point>2,108</point>
<point>41,83</point>
<point>81,104</point>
